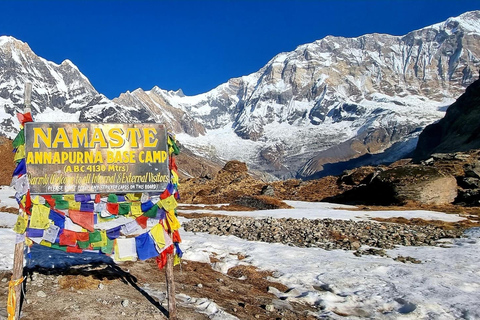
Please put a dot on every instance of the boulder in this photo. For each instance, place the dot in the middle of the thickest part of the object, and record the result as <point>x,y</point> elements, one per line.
<point>426,185</point>
<point>268,190</point>
<point>357,176</point>
<point>473,170</point>
<point>260,203</point>
<point>235,166</point>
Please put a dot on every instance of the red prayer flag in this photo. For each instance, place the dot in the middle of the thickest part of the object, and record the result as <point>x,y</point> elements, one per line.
<point>49,200</point>
<point>165,194</point>
<point>28,203</point>
<point>68,238</point>
<point>173,165</point>
<point>176,236</point>
<point>82,218</point>
<point>24,118</point>
<point>142,221</point>
<point>83,236</point>
<point>75,249</point>
<point>112,208</point>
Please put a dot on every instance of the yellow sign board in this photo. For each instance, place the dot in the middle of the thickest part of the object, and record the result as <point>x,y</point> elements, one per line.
<point>96,157</point>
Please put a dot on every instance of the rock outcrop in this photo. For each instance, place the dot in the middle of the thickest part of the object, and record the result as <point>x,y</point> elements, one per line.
<point>227,185</point>
<point>459,130</point>
<point>426,185</point>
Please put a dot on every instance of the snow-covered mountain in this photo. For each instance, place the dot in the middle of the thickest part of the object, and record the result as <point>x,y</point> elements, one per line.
<point>60,92</point>
<point>330,104</point>
<point>326,106</point>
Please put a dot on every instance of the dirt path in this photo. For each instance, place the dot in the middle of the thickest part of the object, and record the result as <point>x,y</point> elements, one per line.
<point>137,291</point>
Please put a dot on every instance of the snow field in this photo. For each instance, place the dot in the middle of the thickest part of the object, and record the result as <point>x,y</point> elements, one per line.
<point>445,285</point>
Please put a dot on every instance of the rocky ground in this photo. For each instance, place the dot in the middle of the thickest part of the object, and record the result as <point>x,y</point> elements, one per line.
<point>137,290</point>
<point>323,233</point>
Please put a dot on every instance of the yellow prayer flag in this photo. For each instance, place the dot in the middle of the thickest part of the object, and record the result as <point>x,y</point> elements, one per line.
<point>45,243</point>
<point>136,209</point>
<point>20,154</point>
<point>173,221</point>
<point>174,177</point>
<point>39,218</point>
<point>35,200</point>
<point>176,260</point>
<point>132,196</point>
<point>158,235</point>
<point>169,203</point>
<point>21,224</point>
<point>73,205</point>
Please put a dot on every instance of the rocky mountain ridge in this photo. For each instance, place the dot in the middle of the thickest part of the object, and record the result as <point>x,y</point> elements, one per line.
<point>318,109</point>
<point>60,91</point>
<point>327,106</point>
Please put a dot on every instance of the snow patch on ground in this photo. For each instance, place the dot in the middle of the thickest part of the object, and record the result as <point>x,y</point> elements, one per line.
<point>445,285</point>
<point>324,210</point>
<point>7,239</point>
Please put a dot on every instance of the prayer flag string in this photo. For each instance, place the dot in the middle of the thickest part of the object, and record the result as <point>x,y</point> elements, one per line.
<point>125,226</point>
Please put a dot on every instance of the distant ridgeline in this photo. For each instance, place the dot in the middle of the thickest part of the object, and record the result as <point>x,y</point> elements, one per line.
<point>106,188</point>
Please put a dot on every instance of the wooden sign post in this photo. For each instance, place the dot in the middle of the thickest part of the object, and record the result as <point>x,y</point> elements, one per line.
<point>172,307</point>
<point>18,255</point>
<point>18,274</point>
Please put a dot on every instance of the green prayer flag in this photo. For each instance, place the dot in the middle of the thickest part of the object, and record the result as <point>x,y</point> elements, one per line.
<point>58,247</point>
<point>83,244</point>
<point>61,204</point>
<point>19,139</point>
<point>124,208</point>
<point>152,212</point>
<point>175,147</point>
<point>95,236</point>
<point>112,198</point>
<point>108,249</point>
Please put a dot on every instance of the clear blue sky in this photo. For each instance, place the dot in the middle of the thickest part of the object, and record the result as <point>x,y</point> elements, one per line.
<point>197,45</point>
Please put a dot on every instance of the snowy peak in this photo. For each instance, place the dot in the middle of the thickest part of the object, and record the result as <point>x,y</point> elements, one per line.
<point>322,108</point>
<point>160,105</point>
<point>469,22</point>
<point>338,99</point>
<point>59,92</point>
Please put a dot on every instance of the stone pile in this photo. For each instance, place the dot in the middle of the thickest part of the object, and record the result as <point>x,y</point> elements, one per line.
<point>322,233</point>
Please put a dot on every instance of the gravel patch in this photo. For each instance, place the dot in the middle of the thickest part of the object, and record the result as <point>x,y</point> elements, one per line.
<point>322,233</point>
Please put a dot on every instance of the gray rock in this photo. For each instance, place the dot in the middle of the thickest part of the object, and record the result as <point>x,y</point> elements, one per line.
<point>473,170</point>
<point>470,183</point>
<point>328,234</point>
<point>270,307</point>
<point>268,191</point>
